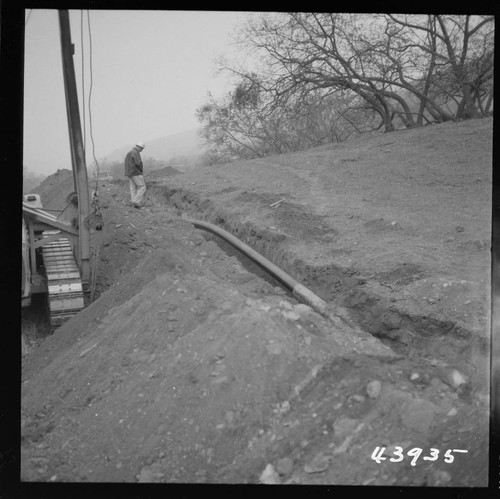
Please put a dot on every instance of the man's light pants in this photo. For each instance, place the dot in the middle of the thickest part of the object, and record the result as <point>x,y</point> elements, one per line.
<point>137,188</point>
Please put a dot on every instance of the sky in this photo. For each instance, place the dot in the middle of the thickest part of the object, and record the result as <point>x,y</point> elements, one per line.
<point>151,70</point>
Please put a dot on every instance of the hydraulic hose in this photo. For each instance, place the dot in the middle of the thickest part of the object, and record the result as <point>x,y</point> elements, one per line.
<point>302,293</point>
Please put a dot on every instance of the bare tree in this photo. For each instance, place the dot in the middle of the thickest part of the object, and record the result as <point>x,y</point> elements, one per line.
<point>323,76</point>
<point>455,62</point>
<point>231,127</point>
<point>377,57</point>
<point>247,123</point>
<point>308,51</point>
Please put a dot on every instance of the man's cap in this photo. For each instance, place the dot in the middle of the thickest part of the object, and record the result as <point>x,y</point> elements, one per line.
<point>140,144</point>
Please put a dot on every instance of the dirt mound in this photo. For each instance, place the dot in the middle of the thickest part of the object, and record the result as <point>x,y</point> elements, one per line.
<point>181,364</point>
<point>55,189</point>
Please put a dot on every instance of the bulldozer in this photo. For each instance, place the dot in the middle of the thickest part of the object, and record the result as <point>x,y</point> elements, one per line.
<point>56,255</point>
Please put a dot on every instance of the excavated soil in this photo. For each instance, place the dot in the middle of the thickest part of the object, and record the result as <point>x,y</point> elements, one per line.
<point>191,365</point>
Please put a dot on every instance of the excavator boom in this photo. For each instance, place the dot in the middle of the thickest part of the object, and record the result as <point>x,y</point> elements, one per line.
<point>77,149</point>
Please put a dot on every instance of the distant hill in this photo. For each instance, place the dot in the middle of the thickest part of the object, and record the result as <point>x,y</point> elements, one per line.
<point>184,144</point>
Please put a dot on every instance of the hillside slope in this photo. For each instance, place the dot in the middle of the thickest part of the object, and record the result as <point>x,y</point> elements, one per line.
<point>402,220</point>
<point>189,366</point>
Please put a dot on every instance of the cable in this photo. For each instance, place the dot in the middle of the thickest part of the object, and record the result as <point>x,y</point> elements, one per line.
<point>83,82</point>
<point>90,109</point>
<point>95,195</point>
<point>95,260</point>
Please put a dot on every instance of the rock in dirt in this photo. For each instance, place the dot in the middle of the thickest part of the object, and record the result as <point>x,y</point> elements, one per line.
<point>291,315</point>
<point>373,389</point>
<point>455,378</point>
<point>285,406</point>
<point>319,464</point>
<point>344,427</point>
<point>269,476</point>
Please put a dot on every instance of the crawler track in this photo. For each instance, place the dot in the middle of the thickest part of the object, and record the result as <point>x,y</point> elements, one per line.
<point>65,292</point>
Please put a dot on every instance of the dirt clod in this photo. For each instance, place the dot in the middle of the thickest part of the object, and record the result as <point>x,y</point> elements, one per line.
<point>319,464</point>
<point>269,476</point>
<point>373,388</point>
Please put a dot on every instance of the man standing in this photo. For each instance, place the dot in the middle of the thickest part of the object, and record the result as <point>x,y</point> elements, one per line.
<point>134,172</point>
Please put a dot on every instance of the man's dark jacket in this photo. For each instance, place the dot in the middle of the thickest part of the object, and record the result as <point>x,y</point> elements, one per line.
<point>133,163</point>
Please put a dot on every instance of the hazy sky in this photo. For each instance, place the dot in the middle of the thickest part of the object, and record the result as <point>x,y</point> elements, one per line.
<point>151,70</point>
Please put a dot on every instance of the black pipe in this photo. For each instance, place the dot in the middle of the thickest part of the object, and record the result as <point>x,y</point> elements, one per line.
<point>298,290</point>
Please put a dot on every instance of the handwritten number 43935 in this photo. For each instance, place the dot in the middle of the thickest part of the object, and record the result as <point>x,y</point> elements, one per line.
<point>378,455</point>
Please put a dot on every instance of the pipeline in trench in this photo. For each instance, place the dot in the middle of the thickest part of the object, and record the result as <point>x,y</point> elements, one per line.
<point>298,290</point>
<point>248,264</point>
<point>334,292</point>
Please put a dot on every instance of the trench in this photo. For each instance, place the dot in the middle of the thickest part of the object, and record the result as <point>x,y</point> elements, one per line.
<point>414,336</point>
<point>248,264</point>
